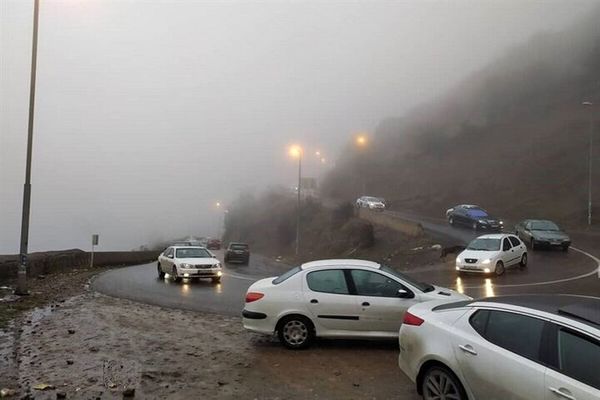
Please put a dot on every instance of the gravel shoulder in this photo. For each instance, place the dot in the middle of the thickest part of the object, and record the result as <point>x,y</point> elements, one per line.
<point>91,346</point>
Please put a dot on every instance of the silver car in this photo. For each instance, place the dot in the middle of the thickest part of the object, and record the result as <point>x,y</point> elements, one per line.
<point>192,262</point>
<point>539,233</point>
<point>520,347</point>
<point>372,203</point>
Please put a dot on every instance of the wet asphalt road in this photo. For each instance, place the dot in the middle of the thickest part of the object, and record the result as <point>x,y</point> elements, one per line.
<point>547,272</point>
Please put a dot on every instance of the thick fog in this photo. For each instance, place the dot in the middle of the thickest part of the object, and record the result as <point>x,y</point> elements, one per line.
<point>148,112</point>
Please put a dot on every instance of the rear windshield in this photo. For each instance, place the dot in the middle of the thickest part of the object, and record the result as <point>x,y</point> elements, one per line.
<point>239,247</point>
<point>285,276</point>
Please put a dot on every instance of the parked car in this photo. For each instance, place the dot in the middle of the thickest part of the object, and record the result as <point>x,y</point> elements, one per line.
<point>524,347</point>
<point>189,262</point>
<point>542,233</point>
<point>492,254</point>
<point>372,203</point>
<point>238,252</point>
<point>335,299</point>
<point>213,244</point>
<point>474,217</point>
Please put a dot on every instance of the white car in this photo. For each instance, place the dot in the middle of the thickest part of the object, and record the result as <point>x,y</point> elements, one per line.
<point>335,299</point>
<point>193,262</point>
<point>372,203</point>
<point>492,254</point>
<point>522,347</point>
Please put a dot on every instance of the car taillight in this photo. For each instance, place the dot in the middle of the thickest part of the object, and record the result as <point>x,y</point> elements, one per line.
<point>253,296</point>
<point>410,319</point>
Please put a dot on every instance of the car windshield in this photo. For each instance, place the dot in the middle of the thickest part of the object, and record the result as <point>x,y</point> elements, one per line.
<point>477,213</point>
<point>193,253</point>
<point>422,286</point>
<point>286,275</point>
<point>486,244</point>
<point>544,226</point>
<point>372,199</point>
<point>239,247</point>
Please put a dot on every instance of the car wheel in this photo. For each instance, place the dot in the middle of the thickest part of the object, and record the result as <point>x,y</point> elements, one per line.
<point>440,383</point>
<point>523,262</point>
<point>216,280</point>
<point>451,221</point>
<point>296,332</point>
<point>174,275</point>
<point>474,225</point>
<point>499,270</point>
<point>565,248</point>
<point>161,274</point>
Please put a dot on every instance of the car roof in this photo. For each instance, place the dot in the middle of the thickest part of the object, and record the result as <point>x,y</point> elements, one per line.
<point>467,206</point>
<point>341,263</point>
<point>493,236</point>
<point>238,244</point>
<point>583,309</point>
<point>188,247</point>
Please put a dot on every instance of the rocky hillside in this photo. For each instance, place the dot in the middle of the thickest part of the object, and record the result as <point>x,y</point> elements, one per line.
<point>512,137</point>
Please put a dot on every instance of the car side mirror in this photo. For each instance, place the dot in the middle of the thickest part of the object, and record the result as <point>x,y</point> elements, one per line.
<point>404,294</point>
<point>170,256</point>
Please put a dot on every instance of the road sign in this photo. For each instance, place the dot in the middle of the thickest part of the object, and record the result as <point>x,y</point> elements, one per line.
<point>95,239</point>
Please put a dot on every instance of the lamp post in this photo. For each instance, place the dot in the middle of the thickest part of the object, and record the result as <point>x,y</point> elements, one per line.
<point>590,158</point>
<point>22,270</point>
<point>361,142</point>
<point>296,152</point>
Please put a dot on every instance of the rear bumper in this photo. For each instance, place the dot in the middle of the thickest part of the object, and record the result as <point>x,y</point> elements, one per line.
<point>253,315</point>
<point>258,322</point>
<point>237,257</point>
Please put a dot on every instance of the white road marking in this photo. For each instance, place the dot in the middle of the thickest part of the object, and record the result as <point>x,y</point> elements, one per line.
<point>573,278</point>
<point>242,277</point>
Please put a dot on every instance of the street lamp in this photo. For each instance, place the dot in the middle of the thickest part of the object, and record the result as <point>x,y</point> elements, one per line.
<point>22,270</point>
<point>296,152</point>
<point>590,158</point>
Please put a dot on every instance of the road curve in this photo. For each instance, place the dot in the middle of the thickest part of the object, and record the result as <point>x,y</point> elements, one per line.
<point>548,272</point>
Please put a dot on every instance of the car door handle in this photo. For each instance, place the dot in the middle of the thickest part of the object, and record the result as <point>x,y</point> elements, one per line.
<point>468,349</point>
<point>366,304</point>
<point>314,301</point>
<point>560,392</point>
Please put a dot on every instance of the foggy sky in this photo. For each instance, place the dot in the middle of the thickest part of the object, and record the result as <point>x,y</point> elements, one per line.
<point>148,112</point>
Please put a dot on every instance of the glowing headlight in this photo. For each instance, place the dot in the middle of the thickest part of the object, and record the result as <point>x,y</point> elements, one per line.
<point>457,259</point>
<point>487,270</point>
<point>486,261</point>
<point>457,268</point>
<point>501,222</point>
<point>186,265</point>
<point>219,273</point>
<point>186,275</point>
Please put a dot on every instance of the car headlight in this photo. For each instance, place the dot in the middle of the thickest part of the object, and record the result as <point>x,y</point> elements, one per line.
<point>217,265</point>
<point>458,259</point>
<point>501,222</point>
<point>186,265</point>
<point>486,270</point>
<point>482,221</point>
<point>486,261</point>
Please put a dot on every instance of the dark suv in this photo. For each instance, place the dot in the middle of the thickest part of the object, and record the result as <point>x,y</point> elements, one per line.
<point>238,252</point>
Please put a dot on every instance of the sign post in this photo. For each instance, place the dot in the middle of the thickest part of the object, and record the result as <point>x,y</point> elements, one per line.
<point>95,239</point>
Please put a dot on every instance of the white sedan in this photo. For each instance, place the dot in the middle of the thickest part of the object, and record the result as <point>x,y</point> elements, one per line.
<point>335,299</point>
<point>492,254</point>
<point>520,347</point>
<point>191,262</point>
<point>372,203</point>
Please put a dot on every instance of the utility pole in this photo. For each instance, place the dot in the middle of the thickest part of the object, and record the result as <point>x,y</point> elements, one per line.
<point>590,160</point>
<point>298,205</point>
<point>22,270</point>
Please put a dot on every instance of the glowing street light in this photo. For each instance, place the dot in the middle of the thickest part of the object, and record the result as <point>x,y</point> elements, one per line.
<point>218,204</point>
<point>361,140</point>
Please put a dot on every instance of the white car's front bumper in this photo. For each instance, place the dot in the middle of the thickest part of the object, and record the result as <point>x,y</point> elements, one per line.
<point>478,268</point>
<point>199,272</point>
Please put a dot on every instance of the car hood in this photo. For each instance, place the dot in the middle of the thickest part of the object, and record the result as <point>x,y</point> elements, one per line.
<point>549,235</point>
<point>489,220</point>
<point>199,261</point>
<point>478,254</point>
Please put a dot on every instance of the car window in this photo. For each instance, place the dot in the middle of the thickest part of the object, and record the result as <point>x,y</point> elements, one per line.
<point>579,357</point>
<point>369,283</point>
<point>479,321</point>
<point>193,252</point>
<point>328,281</point>
<point>517,333</point>
<point>506,244</point>
<point>169,252</point>
<point>515,242</point>
<point>286,275</point>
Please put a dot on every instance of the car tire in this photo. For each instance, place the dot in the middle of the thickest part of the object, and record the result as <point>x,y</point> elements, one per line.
<point>523,262</point>
<point>439,382</point>
<point>216,280</point>
<point>499,270</point>
<point>174,276</point>
<point>565,248</point>
<point>161,274</point>
<point>296,332</point>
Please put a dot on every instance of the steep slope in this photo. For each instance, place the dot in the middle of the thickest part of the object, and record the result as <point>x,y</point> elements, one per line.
<point>512,137</point>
